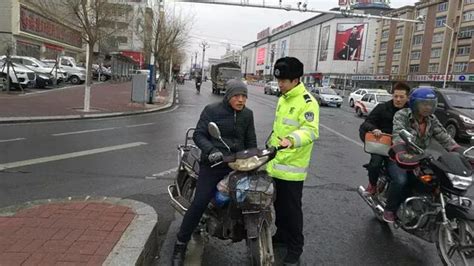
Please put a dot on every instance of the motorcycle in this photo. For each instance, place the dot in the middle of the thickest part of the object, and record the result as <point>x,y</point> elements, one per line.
<point>198,86</point>
<point>437,210</point>
<point>247,216</point>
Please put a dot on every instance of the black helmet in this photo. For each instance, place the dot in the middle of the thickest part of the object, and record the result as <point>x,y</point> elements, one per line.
<point>288,68</point>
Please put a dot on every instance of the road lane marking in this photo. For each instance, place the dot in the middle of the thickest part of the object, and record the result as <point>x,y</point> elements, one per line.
<point>83,131</point>
<point>8,140</point>
<point>69,155</point>
<point>141,125</point>
<point>342,136</point>
<point>164,173</point>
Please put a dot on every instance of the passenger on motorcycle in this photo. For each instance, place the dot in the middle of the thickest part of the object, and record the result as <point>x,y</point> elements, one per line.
<point>379,121</point>
<point>237,128</point>
<point>420,121</point>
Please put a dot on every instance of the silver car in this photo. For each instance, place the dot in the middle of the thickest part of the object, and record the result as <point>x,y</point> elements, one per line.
<point>271,88</point>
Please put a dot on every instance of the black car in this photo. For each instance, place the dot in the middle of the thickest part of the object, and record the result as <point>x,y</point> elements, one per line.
<point>456,112</point>
<point>44,80</point>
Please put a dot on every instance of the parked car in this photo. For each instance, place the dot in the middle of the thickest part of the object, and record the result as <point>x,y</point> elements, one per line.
<point>44,80</point>
<point>24,76</point>
<point>455,111</point>
<point>271,88</point>
<point>105,72</point>
<point>368,102</point>
<point>41,68</point>
<point>327,96</point>
<point>358,94</point>
<point>76,74</point>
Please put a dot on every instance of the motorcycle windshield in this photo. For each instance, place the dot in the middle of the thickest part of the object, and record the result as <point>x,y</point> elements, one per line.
<point>453,163</point>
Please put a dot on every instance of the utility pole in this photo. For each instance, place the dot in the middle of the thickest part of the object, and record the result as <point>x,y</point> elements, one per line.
<point>195,59</point>
<point>449,54</point>
<point>204,45</point>
<point>87,90</point>
<point>245,74</point>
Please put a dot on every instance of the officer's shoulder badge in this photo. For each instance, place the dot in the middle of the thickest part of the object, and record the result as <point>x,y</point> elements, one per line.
<point>309,116</point>
<point>307,98</point>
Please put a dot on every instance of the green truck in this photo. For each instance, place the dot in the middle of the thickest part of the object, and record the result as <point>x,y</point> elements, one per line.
<point>221,73</point>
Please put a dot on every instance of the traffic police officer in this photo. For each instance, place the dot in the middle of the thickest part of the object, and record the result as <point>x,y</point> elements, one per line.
<point>296,127</point>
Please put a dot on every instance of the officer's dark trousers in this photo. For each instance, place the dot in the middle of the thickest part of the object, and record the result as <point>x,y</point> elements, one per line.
<point>205,190</point>
<point>289,214</point>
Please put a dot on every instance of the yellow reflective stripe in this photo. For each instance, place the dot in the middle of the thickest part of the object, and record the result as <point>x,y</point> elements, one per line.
<point>290,122</point>
<point>290,169</point>
<point>297,139</point>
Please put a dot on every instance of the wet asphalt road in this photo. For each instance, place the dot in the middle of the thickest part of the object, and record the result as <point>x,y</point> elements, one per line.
<point>339,228</point>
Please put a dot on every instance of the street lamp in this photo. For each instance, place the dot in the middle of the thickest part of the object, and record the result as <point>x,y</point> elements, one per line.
<point>449,55</point>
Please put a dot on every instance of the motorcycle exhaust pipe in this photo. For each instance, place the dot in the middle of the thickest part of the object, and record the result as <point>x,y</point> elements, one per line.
<point>363,194</point>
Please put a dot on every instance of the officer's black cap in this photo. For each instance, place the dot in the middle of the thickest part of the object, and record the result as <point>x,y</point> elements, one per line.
<point>288,68</point>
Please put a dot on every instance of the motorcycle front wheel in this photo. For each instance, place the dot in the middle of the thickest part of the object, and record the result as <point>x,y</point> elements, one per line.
<point>461,251</point>
<point>261,249</point>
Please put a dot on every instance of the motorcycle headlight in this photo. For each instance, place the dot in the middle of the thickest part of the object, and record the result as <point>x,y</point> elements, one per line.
<point>460,182</point>
<point>466,119</point>
<point>248,164</point>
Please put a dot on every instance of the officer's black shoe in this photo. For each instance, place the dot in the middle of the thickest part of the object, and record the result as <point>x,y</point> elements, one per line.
<point>179,253</point>
<point>292,259</point>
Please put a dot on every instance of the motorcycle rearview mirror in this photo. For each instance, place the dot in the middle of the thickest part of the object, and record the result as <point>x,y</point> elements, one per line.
<point>216,133</point>
<point>214,130</point>
<point>406,136</point>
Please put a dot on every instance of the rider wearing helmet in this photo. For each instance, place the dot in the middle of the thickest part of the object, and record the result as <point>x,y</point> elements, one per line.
<point>421,122</point>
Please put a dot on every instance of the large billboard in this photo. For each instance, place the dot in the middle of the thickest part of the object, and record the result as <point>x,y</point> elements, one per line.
<point>349,42</point>
<point>261,56</point>
<point>323,51</point>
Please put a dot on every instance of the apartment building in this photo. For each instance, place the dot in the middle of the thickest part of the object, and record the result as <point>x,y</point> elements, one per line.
<point>426,53</point>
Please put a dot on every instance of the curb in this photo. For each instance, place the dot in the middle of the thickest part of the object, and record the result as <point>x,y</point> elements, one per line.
<point>169,104</point>
<point>137,246</point>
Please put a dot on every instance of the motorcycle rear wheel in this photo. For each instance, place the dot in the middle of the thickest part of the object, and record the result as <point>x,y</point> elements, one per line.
<point>450,254</point>
<point>189,188</point>
<point>261,249</point>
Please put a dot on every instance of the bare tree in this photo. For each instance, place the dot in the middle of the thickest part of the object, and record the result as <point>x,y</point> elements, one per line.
<point>97,19</point>
<point>168,40</point>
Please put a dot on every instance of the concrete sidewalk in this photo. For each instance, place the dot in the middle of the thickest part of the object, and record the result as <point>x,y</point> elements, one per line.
<point>87,231</point>
<point>107,99</point>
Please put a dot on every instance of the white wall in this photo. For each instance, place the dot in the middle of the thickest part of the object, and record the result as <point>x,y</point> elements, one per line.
<point>303,45</point>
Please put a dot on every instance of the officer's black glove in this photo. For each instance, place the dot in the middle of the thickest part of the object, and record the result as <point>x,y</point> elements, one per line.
<point>215,157</point>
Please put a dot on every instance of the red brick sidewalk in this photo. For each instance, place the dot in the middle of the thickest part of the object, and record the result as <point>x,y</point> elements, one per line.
<point>105,98</point>
<point>73,233</point>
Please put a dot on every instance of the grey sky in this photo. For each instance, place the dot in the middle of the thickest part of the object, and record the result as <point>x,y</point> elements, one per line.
<point>220,25</point>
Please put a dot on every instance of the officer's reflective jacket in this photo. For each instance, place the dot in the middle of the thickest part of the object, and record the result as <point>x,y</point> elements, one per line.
<point>296,118</point>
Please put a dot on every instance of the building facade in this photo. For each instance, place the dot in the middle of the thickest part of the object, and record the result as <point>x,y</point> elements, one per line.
<point>29,33</point>
<point>426,53</point>
<point>333,48</point>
